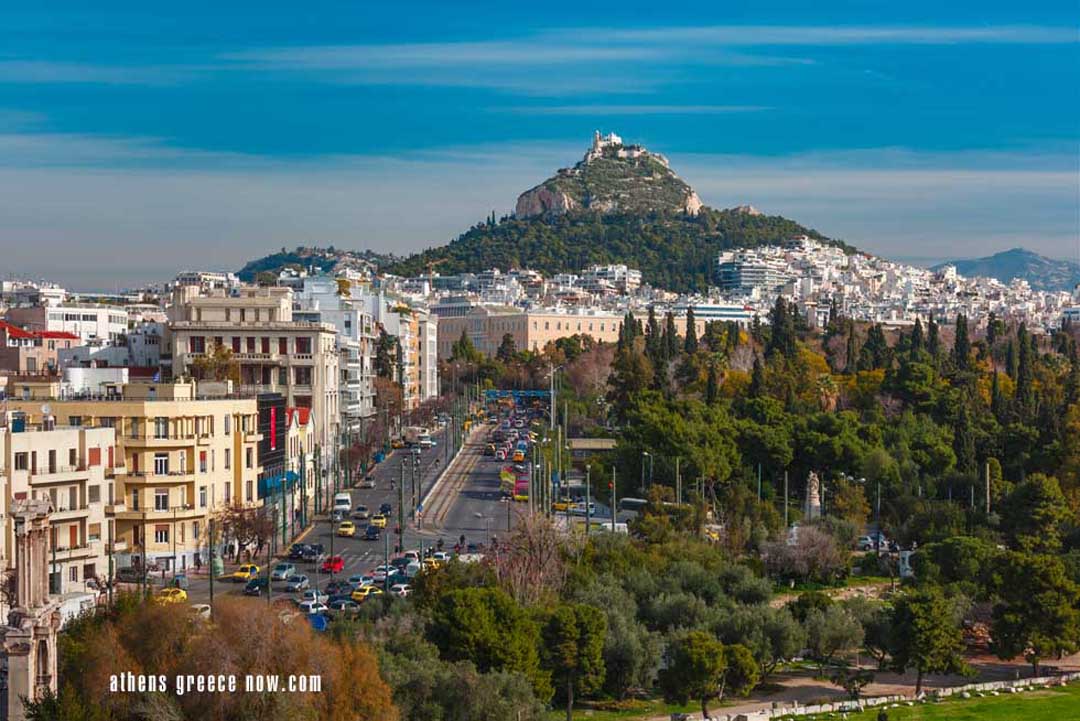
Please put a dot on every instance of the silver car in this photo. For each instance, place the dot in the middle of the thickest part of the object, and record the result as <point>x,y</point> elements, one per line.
<point>282,572</point>
<point>297,583</point>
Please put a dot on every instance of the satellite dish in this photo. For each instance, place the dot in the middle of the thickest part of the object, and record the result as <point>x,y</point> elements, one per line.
<point>46,409</point>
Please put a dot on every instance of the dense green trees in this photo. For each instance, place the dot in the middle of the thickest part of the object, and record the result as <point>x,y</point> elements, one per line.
<point>700,667</point>
<point>573,638</point>
<point>926,636</point>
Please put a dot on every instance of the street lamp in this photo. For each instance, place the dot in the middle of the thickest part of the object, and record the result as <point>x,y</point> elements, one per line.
<point>645,454</point>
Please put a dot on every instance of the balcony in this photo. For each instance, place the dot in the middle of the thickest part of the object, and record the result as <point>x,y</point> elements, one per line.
<point>70,553</point>
<point>114,508</point>
<point>58,474</point>
<point>66,512</point>
<point>159,478</point>
<point>149,515</point>
<point>151,440</point>
<point>257,358</point>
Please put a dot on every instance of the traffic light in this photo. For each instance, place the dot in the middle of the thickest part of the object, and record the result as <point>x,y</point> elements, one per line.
<point>610,485</point>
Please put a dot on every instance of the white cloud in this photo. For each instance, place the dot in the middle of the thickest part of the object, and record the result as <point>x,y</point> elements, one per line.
<point>620,110</point>
<point>43,72</point>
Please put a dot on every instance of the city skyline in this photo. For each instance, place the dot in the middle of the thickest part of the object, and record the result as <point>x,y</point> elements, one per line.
<point>133,142</point>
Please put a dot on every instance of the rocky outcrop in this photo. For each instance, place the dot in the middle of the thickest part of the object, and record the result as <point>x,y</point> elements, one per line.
<point>746,210</point>
<point>612,178</point>
<point>543,200</point>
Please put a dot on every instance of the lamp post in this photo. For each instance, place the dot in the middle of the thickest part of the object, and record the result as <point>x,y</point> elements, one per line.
<point>644,454</point>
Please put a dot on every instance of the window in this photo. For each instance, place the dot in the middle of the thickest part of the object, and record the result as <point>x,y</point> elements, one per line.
<point>202,461</point>
<point>94,455</point>
<point>89,570</point>
<point>21,462</point>
<point>202,496</point>
<point>75,421</point>
<point>194,530</point>
<point>197,344</point>
<point>303,345</point>
<point>161,499</point>
<point>135,501</point>
<point>265,344</point>
<point>161,427</point>
<point>248,488</point>
<point>236,344</point>
<point>251,344</point>
<point>161,464</point>
<point>93,532</point>
<point>302,376</point>
<point>73,574</point>
<point>228,425</point>
<point>161,534</point>
<point>249,458</point>
<point>73,457</point>
<point>283,346</point>
<point>547,326</point>
<point>228,493</point>
<point>283,376</point>
<point>93,494</point>
<point>228,458</point>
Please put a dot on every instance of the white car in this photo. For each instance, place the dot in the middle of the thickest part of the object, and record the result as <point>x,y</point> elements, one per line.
<point>313,607</point>
<point>201,611</point>
<point>401,590</point>
<point>369,481</point>
<point>426,442</point>
<point>379,574</point>
<point>313,595</point>
<point>442,556</point>
<point>360,580</point>
<point>361,513</point>
<point>578,509</point>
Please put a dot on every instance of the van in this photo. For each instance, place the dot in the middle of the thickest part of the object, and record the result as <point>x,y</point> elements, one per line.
<point>342,502</point>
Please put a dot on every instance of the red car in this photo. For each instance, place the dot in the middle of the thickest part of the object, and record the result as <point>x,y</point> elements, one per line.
<point>334,564</point>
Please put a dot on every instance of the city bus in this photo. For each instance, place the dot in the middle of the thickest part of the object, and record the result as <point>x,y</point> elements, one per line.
<point>634,505</point>
<point>521,484</point>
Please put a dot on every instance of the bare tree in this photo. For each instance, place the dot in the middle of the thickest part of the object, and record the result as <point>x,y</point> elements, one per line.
<point>530,564</point>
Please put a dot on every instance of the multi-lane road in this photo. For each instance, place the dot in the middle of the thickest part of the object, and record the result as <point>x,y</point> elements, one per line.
<point>466,502</point>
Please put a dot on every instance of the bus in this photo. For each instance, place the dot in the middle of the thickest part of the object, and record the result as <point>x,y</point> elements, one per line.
<point>634,505</point>
<point>521,484</point>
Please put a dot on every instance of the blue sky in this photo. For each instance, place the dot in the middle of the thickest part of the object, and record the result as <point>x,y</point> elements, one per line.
<point>134,143</point>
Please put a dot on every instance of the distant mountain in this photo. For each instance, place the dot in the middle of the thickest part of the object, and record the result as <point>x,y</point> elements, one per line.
<point>620,204</point>
<point>327,260</point>
<point>1040,272</point>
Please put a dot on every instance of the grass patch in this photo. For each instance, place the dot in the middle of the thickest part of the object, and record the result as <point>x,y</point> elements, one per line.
<point>1055,704</point>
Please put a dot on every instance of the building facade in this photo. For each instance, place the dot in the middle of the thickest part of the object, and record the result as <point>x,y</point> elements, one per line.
<point>178,461</point>
<point>73,468</point>
<point>88,321</point>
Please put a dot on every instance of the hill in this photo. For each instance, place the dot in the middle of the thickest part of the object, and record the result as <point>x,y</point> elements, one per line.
<point>620,204</point>
<point>1040,272</point>
<point>323,259</point>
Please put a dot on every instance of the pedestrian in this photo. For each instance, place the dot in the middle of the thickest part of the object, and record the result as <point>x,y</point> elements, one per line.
<point>882,715</point>
<point>198,562</point>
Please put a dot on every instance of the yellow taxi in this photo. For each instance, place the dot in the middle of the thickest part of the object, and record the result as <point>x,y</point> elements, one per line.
<point>397,443</point>
<point>430,564</point>
<point>170,595</point>
<point>560,505</point>
<point>518,457</point>
<point>362,593</point>
<point>347,529</point>
<point>245,573</point>
<point>379,521</point>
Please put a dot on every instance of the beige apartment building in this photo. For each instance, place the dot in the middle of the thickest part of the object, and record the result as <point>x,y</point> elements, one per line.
<point>73,468</point>
<point>275,353</point>
<point>179,461</point>
<point>531,330</point>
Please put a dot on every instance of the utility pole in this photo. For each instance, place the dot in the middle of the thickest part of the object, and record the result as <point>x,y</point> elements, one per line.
<point>678,482</point>
<point>614,501</point>
<point>401,509</point>
<point>211,565</point>
<point>987,489</point>
<point>386,562</point>
<point>588,500</point>
<point>785,500</point>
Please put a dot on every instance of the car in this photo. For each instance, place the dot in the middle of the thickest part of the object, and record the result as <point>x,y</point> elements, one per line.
<point>129,575</point>
<point>873,541</point>
<point>415,450</point>
<point>441,556</point>
<point>343,606</point>
<point>361,579</point>
<point>378,521</point>
<point>365,592</point>
<point>297,583</point>
<point>314,594</point>
<point>426,442</point>
<point>472,548</point>
<point>256,587</point>
<point>334,564</point>
<point>380,572</point>
<point>489,449</point>
<point>372,533</point>
<point>400,562</point>
<point>342,502</point>
<point>361,513</point>
<point>201,610</point>
<point>560,505</point>
<point>500,455</point>
<point>397,443</point>
<point>412,555</point>
<point>296,551</point>
<point>346,529</point>
<point>518,457</point>
<point>245,573</point>
<point>282,571</point>
<point>401,590</point>
<point>430,564</point>
<point>579,508</point>
<point>519,423</point>
<point>339,588</point>
<point>368,481</point>
<point>170,595</point>
<point>313,552</point>
<point>338,515</point>
<point>312,608</point>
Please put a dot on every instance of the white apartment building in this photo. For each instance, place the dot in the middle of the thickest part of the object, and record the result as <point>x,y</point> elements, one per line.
<point>274,352</point>
<point>606,278</point>
<point>74,469</point>
<point>89,321</point>
<point>413,327</point>
<point>321,301</point>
